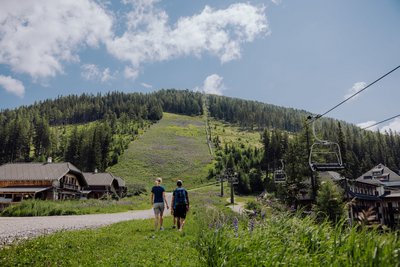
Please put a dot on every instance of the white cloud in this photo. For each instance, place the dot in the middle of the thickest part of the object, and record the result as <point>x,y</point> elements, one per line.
<point>106,75</point>
<point>367,124</point>
<point>36,37</point>
<point>356,87</point>
<point>394,126</point>
<point>11,85</point>
<point>149,38</point>
<point>91,72</point>
<point>131,73</point>
<point>276,2</point>
<point>213,84</point>
<point>145,85</point>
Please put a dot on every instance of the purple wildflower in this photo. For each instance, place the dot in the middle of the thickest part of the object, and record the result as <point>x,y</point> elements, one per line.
<point>236,226</point>
<point>263,213</point>
<point>251,225</point>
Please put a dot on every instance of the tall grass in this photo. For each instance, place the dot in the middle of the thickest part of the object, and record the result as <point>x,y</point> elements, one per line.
<point>75,207</point>
<point>286,240</point>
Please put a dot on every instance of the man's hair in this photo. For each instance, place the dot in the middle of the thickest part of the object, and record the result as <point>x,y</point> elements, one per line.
<point>179,183</point>
<point>158,179</point>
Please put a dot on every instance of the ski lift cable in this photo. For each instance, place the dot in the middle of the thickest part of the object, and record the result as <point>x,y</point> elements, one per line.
<point>353,95</point>
<point>398,115</point>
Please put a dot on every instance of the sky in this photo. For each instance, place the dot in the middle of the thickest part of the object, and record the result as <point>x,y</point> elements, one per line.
<point>308,55</point>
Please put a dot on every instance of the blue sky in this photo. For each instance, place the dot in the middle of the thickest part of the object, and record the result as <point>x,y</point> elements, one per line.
<point>303,54</point>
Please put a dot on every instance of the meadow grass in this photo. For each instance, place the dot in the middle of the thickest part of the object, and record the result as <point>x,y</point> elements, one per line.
<point>133,243</point>
<point>287,240</point>
<point>173,148</point>
<point>76,207</point>
<point>231,134</point>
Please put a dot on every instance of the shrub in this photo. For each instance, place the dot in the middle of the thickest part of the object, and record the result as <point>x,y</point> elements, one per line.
<point>136,189</point>
<point>329,204</point>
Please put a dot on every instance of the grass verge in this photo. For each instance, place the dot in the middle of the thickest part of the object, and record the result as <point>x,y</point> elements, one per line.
<point>76,207</point>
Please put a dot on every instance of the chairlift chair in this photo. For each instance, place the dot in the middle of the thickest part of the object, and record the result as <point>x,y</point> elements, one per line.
<point>280,175</point>
<point>324,155</point>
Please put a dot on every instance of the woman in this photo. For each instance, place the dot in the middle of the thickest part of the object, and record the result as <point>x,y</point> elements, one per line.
<point>157,200</point>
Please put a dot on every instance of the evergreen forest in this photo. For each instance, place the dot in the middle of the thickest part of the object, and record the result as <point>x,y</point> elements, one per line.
<point>92,131</point>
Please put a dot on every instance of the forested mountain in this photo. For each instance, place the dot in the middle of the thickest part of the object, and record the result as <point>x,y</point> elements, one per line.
<point>31,133</point>
<point>253,114</point>
<point>361,149</point>
<point>28,133</point>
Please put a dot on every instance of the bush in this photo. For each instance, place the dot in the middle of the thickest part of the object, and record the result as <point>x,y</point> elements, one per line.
<point>329,204</point>
<point>136,189</point>
<point>254,206</point>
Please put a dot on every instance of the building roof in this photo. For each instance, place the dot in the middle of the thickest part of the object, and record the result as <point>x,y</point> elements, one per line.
<point>38,171</point>
<point>101,178</point>
<point>380,175</point>
<point>121,181</point>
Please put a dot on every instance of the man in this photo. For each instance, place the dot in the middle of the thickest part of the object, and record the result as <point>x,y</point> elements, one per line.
<point>157,200</point>
<point>180,204</point>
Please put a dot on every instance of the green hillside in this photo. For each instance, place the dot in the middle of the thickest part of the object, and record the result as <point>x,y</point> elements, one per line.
<point>174,148</point>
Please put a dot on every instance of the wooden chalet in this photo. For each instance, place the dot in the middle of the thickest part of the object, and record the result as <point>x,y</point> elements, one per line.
<point>378,188</point>
<point>100,185</point>
<point>123,189</point>
<point>52,181</point>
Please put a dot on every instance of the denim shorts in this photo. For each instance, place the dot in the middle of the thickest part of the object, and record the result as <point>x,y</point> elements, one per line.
<point>158,208</point>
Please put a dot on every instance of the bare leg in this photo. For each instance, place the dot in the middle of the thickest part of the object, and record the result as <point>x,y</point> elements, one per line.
<point>161,220</point>
<point>156,222</point>
<point>182,223</point>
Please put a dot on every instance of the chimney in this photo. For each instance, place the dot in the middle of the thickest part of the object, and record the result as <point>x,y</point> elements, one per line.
<point>49,160</point>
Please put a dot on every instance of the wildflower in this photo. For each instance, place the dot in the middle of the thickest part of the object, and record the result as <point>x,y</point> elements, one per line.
<point>263,214</point>
<point>251,225</point>
<point>236,226</point>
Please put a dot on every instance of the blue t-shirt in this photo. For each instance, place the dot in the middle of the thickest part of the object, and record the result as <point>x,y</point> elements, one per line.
<point>158,193</point>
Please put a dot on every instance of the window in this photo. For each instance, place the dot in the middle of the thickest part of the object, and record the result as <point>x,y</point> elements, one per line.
<point>377,171</point>
<point>384,177</point>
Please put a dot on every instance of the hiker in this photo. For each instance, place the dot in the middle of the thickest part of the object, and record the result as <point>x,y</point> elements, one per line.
<point>157,200</point>
<point>180,205</point>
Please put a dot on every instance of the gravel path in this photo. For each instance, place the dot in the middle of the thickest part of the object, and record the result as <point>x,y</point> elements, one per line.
<point>238,207</point>
<point>21,228</point>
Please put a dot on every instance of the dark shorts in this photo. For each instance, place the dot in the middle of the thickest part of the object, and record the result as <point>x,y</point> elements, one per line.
<point>180,211</point>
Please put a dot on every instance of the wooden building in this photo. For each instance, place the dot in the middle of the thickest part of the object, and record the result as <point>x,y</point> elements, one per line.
<point>379,188</point>
<point>53,181</point>
<point>104,185</point>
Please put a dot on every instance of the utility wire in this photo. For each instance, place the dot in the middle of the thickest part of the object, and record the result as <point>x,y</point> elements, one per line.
<point>353,95</point>
<point>380,122</point>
